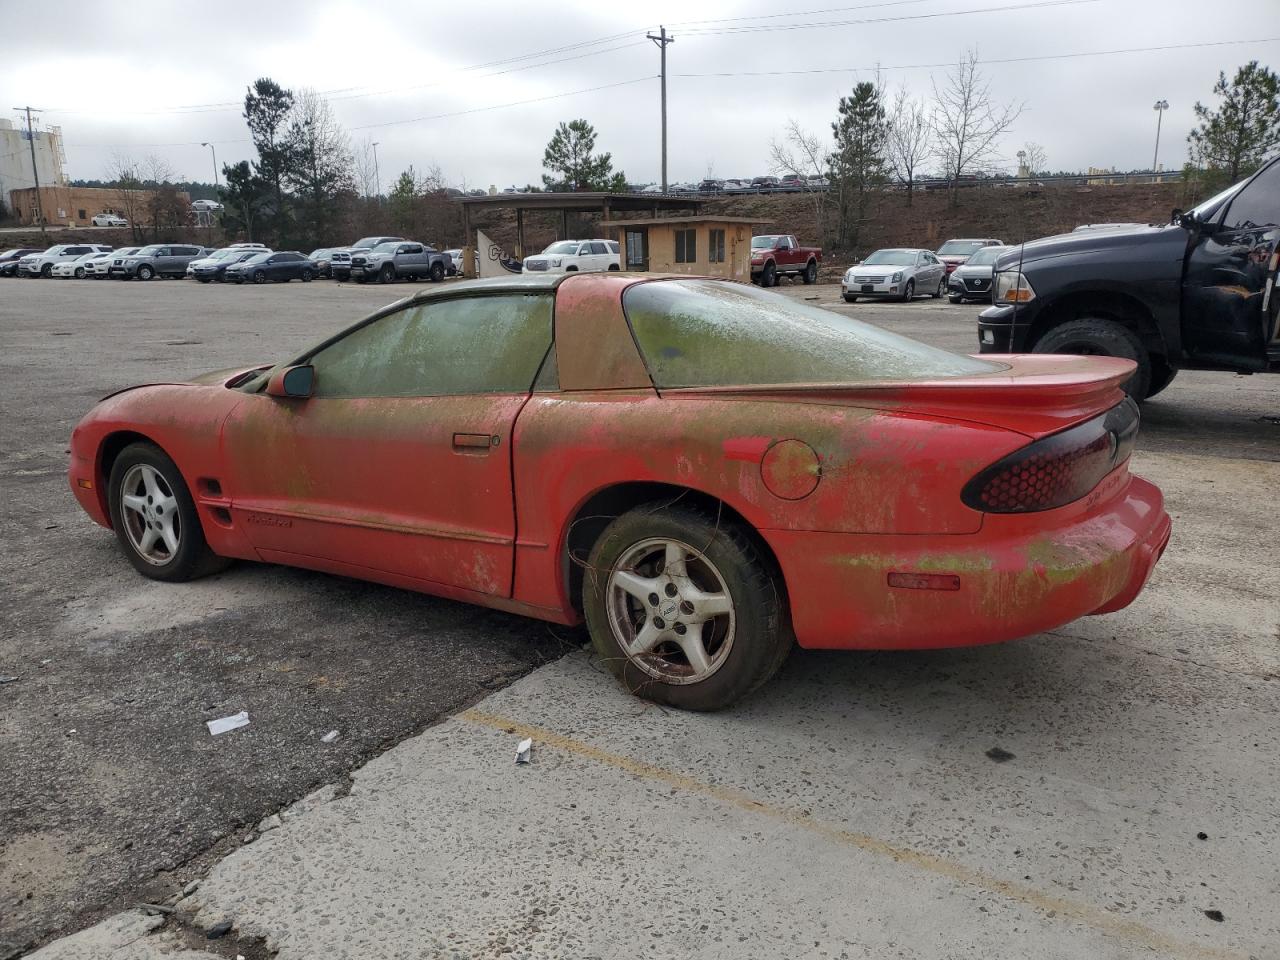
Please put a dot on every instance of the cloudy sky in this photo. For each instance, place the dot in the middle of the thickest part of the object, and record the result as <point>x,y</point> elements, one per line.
<point>479,92</point>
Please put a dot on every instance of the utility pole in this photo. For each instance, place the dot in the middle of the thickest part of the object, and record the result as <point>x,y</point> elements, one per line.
<point>1160,107</point>
<point>35,170</point>
<point>662,40</point>
<point>215,162</point>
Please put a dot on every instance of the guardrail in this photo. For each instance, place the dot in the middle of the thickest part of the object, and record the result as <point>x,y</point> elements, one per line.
<point>1074,179</point>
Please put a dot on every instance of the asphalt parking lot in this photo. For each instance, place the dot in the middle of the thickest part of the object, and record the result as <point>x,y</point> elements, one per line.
<point>850,809</point>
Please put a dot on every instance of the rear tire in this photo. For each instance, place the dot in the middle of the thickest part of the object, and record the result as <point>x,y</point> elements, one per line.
<point>141,470</point>
<point>942,288</point>
<point>79,273</point>
<point>739,623</point>
<point>1099,337</point>
<point>810,275</point>
<point>437,272</point>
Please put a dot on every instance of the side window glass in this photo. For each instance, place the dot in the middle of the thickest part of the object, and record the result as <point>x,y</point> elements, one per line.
<point>548,380</point>
<point>492,344</point>
<point>599,248</point>
<point>584,249</point>
<point>1258,204</point>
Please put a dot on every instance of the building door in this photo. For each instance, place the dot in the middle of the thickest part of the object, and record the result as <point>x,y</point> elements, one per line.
<point>637,243</point>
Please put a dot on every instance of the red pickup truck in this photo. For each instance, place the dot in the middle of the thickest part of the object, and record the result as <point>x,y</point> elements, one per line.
<point>776,255</point>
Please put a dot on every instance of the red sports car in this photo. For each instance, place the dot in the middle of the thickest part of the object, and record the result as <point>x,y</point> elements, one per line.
<point>701,470</point>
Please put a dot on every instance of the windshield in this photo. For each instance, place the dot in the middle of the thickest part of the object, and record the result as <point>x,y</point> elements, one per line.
<point>986,255</point>
<point>317,254</point>
<point>148,251</point>
<point>564,246</point>
<point>960,248</point>
<point>895,258</point>
<point>254,258</point>
<point>388,246</point>
<point>228,254</point>
<point>368,243</point>
<point>762,243</point>
<point>701,333</point>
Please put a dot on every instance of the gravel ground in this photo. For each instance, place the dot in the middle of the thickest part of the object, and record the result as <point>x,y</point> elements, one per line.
<point>112,791</point>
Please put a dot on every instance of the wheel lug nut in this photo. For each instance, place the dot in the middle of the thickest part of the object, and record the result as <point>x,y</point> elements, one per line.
<point>686,608</point>
<point>653,599</point>
<point>660,623</point>
<point>681,629</point>
<point>671,589</point>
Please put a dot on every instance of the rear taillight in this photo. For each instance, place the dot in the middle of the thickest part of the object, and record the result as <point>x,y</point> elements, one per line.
<point>1057,469</point>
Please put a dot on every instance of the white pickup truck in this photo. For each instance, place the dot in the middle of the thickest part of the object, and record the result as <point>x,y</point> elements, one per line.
<point>574,256</point>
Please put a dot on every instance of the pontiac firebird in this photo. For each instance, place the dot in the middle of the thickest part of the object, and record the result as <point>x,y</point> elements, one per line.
<point>702,471</point>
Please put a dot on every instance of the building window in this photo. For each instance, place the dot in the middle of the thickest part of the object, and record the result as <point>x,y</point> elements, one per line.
<point>82,215</point>
<point>715,246</point>
<point>637,250</point>
<point>686,246</point>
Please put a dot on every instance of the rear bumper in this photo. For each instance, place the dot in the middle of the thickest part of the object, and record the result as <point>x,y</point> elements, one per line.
<point>1017,576</point>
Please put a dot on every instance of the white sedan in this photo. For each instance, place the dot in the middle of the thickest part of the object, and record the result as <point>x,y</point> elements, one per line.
<point>100,269</point>
<point>109,220</point>
<point>79,267</point>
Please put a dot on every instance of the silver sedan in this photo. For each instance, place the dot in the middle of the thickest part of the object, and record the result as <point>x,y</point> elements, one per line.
<point>898,273</point>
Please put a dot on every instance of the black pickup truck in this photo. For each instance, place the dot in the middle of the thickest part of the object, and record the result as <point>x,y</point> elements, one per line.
<point>1196,294</point>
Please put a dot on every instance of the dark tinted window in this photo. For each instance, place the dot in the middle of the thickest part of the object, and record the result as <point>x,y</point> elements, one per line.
<point>1258,204</point>
<point>599,248</point>
<point>287,258</point>
<point>78,251</point>
<point>411,248</point>
<point>444,348</point>
<point>686,246</point>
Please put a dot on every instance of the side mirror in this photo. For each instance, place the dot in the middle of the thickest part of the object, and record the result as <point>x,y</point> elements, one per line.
<point>295,382</point>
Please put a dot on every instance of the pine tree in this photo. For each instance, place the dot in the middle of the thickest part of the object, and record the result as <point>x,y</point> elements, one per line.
<point>858,162</point>
<point>570,159</point>
<point>1234,139</point>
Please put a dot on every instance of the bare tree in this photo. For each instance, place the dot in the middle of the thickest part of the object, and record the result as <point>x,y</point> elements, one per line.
<point>800,152</point>
<point>967,122</point>
<point>1033,158</point>
<point>130,197</point>
<point>366,169</point>
<point>909,144</point>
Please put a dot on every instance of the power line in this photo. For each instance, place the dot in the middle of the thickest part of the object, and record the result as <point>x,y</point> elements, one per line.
<point>769,28</point>
<point>984,61</point>
<point>790,14</point>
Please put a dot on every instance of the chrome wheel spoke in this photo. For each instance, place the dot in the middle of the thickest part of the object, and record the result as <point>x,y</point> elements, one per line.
<point>694,651</point>
<point>636,585</point>
<point>148,541</point>
<point>646,639</point>
<point>149,478</point>
<point>169,536</point>
<point>706,605</point>
<point>131,501</point>
<point>674,560</point>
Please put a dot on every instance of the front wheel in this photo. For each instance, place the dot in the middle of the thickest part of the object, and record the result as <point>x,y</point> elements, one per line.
<point>259,276</point>
<point>683,608</point>
<point>437,272</point>
<point>1101,337</point>
<point>154,517</point>
<point>306,276</point>
<point>145,272</point>
<point>908,291</point>
<point>769,276</point>
<point>810,275</point>
<point>954,299</point>
<point>850,299</point>
<point>387,274</point>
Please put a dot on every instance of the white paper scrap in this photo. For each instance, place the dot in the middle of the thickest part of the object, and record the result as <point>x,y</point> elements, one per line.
<point>329,737</point>
<point>224,724</point>
<point>523,750</point>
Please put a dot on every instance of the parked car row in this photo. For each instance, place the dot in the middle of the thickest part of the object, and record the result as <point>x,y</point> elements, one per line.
<point>960,270</point>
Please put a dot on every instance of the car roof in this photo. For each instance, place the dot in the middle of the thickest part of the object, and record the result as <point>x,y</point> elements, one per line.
<point>516,283</point>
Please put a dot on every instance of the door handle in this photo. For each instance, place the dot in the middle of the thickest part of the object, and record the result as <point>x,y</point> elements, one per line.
<point>476,442</point>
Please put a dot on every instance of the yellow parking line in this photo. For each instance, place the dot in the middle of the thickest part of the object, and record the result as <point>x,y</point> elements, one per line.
<point>1096,917</point>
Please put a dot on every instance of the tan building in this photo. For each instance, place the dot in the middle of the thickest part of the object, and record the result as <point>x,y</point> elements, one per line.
<point>77,206</point>
<point>707,246</point>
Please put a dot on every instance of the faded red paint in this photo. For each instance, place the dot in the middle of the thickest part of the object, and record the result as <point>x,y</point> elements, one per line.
<point>845,484</point>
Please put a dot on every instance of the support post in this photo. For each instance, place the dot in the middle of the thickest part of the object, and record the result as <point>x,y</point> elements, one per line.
<point>662,40</point>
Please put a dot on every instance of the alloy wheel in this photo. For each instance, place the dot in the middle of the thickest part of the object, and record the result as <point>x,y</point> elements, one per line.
<point>149,512</point>
<point>670,611</point>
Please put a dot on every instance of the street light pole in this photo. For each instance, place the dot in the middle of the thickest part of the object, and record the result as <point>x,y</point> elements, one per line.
<point>215,161</point>
<point>377,178</point>
<point>1160,107</point>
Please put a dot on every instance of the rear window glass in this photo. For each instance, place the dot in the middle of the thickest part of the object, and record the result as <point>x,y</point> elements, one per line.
<point>960,248</point>
<point>704,333</point>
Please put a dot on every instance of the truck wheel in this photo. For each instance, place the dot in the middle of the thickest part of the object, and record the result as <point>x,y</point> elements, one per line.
<point>1161,376</point>
<point>1098,337</point>
<point>769,276</point>
<point>848,298</point>
<point>437,272</point>
<point>810,275</point>
<point>387,274</point>
<point>145,272</point>
<point>683,608</point>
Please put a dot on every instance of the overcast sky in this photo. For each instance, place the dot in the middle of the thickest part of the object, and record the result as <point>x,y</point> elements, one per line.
<point>390,70</point>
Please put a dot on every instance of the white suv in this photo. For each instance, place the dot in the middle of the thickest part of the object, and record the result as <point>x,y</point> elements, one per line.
<point>573,256</point>
<point>41,264</point>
